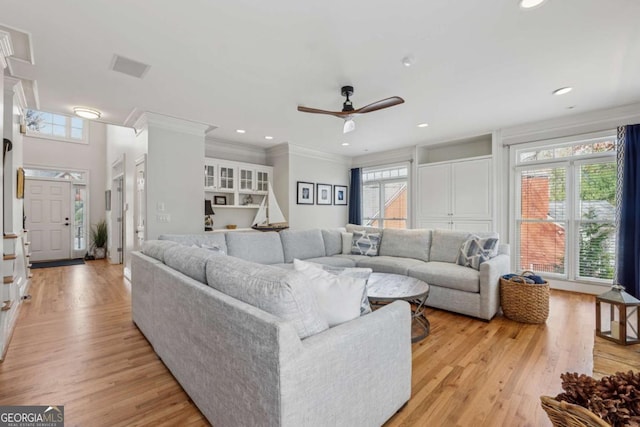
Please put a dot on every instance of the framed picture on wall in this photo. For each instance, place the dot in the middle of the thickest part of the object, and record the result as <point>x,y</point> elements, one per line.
<point>339,194</point>
<point>219,200</point>
<point>20,189</point>
<point>305,193</point>
<point>323,194</point>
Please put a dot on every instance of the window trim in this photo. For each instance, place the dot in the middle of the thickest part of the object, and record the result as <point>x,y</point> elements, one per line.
<point>572,256</point>
<point>85,130</point>
<point>406,179</point>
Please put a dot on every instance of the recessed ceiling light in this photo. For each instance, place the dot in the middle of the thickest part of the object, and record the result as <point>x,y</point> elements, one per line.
<point>87,113</point>
<point>529,4</point>
<point>423,125</point>
<point>268,137</point>
<point>345,144</point>
<point>562,90</point>
<point>240,130</point>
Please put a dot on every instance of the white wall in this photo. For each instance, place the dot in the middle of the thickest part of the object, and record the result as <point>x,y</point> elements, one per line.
<point>49,153</point>
<point>278,157</point>
<point>175,184</point>
<point>319,168</point>
<point>14,159</point>
<point>2,230</point>
<point>123,141</point>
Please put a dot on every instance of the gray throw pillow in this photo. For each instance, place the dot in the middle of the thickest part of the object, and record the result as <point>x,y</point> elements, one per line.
<point>474,251</point>
<point>365,243</point>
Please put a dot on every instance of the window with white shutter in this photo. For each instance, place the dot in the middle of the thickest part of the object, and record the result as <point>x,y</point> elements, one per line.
<point>565,208</point>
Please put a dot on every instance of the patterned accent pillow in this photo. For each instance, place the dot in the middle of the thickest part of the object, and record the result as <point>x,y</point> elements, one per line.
<point>356,273</point>
<point>365,243</point>
<point>212,247</point>
<point>474,251</point>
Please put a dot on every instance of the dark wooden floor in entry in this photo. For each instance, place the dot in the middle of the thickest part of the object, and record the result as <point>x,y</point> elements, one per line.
<point>75,345</point>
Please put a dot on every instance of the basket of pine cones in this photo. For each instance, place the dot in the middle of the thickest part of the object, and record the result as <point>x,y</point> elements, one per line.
<point>612,401</point>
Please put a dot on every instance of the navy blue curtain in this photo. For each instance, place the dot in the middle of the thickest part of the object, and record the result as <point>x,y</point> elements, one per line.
<point>629,227</point>
<point>355,197</point>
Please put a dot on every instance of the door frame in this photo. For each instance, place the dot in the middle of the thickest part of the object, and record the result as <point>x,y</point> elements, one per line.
<point>118,173</point>
<point>73,253</point>
<point>142,160</point>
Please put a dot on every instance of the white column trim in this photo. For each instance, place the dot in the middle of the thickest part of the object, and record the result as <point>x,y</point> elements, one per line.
<point>6,48</point>
<point>15,85</point>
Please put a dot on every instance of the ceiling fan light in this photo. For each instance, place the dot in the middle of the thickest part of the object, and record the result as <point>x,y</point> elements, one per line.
<point>349,126</point>
<point>562,90</point>
<point>87,113</point>
<point>530,4</point>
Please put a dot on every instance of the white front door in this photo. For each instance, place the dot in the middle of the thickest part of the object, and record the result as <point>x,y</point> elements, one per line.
<point>47,206</point>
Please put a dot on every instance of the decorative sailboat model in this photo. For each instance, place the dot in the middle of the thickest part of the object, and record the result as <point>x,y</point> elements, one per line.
<point>269,216</point>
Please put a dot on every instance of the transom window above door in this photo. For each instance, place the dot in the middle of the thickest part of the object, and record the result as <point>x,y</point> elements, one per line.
<point>56,126</point>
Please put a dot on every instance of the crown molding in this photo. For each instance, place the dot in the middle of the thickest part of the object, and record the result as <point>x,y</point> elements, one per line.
<point>587,122</point>
<point>398,155</point>
<point>223,149</point>
<point>297,150</point>
<point>141,120</point>
<point>15,85</point>
<point>278,150</point>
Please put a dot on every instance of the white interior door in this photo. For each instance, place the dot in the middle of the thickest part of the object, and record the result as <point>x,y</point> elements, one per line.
<point>140,206</point>
<point>47,205</point>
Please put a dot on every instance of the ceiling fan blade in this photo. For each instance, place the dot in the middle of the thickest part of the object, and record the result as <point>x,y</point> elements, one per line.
<point>339,114</point>
<point>379,105</point>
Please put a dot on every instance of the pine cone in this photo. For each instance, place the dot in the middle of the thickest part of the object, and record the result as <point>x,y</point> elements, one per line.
<point>578,388</point>
<point>615,399</point>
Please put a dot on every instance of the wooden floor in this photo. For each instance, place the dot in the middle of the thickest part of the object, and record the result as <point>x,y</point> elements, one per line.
<point>75,345</point>
<point>609,358</point>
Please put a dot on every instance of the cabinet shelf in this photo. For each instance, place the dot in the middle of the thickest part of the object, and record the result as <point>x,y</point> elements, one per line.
<point>236,206</point>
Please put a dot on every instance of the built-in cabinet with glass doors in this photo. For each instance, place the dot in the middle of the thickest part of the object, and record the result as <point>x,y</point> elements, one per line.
<point>235,184</point>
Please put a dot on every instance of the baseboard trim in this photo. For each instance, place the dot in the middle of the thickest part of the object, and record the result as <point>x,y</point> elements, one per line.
<point>583,288</point>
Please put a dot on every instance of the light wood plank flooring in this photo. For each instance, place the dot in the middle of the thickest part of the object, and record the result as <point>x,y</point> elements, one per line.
<point>75,345</point>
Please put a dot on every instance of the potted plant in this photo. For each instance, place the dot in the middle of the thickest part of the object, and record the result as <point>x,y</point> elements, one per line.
<point>99,236</point>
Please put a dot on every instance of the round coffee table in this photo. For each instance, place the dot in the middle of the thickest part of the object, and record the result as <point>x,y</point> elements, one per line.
<point>386,288</point>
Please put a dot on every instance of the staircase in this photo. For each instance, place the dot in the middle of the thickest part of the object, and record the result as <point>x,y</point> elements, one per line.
<point>16,269</point>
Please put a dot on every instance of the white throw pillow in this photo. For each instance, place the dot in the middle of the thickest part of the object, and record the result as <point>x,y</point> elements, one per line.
<point>346,243</point>
<point>338,297</point>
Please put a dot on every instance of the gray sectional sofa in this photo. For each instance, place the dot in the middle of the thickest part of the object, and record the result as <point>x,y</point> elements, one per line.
<point>241,335</point>
<point>428,255</point>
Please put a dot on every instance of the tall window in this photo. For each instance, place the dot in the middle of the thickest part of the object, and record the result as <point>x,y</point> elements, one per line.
<point>565,208</point>
<point>56,126</point>
<point>384,197</point>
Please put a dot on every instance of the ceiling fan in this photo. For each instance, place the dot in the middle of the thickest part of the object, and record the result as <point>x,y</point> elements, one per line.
<point>348,112</point>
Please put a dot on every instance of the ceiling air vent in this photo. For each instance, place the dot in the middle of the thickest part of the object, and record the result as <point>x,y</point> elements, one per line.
<point>129,66</point>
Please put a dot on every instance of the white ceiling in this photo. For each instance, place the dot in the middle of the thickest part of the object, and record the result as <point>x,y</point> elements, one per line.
<point>479,65</point>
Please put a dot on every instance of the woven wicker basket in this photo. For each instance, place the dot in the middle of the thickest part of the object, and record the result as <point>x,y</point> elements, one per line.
<point>563,414</point>
<point>524,302</point>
